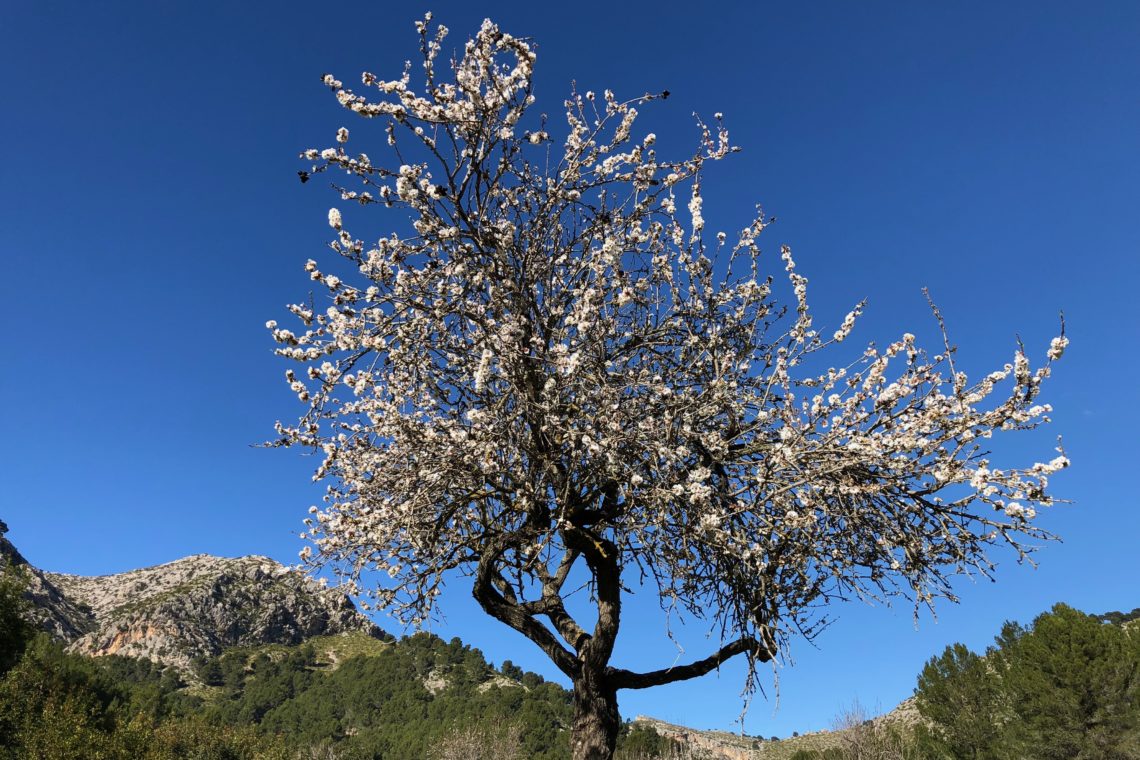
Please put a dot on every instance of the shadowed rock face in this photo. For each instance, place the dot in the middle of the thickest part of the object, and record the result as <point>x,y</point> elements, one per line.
<point>194,606</point>
<point>64,618</point>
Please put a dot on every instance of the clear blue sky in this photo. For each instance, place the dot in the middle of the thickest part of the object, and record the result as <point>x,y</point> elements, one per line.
<point>152,222</point>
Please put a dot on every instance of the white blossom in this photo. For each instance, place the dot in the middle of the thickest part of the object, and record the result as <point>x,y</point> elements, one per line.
<point>1057,347</point>
<point>546,363</point>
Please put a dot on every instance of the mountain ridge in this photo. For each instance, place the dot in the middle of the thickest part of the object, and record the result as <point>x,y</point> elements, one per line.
<point>181,612</point>
<point>51,610</point>
<point>177,612</point>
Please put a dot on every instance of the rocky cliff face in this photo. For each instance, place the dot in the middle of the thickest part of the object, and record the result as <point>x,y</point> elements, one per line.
<point>52,610</point>
<point>714,745</point>
<point>194,606</point>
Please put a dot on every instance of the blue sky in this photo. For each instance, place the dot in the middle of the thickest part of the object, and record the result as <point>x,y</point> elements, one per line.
<point>152,222</point>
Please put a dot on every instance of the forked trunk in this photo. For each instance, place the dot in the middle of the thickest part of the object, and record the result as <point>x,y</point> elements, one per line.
<point>596,721</point>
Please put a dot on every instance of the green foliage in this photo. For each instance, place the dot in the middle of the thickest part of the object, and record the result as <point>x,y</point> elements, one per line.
<point>15,633</point>
<point>195,739</point>
<point>1074,683</point>
<point>959,693</point>
<point>1067,687</point>
<point>1119,618</point>
<point>640,741</point>
<point>380,704</point>
<point>62,706</point>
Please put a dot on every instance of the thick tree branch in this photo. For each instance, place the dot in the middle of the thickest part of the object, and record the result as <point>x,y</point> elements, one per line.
<point>602,557</point>
<point>566,626</point>
<point>626,679</point>
<point>552,604</point>
<point>497,606</point>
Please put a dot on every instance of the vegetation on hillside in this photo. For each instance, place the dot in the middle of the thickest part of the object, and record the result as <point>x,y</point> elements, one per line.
<point>344,697</point>
<point>1065,686</point>
<point>1119,618</point>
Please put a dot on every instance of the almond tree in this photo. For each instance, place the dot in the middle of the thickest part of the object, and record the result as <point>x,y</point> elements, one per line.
<point>553,369</point>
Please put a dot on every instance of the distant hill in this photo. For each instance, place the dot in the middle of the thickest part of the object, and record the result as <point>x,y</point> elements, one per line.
<point>724,745</point>
<point>246,650</point>
<point>202,605</point>
<point>247,645</point>
<point>194,607</point>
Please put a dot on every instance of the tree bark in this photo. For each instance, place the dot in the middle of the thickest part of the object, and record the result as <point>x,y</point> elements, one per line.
<point>596,720</point>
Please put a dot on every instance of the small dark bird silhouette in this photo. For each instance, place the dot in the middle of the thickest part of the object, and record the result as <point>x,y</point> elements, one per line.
<point>665,95</point>
<point>304,177</point>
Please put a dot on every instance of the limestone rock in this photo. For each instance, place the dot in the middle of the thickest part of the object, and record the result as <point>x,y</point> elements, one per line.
<point>202,604</point>
<point>182,610</point>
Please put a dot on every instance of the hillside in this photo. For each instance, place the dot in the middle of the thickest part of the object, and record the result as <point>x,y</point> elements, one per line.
<point>202,605</point>
<point>62,617</point>
<point>261,661</point>
<point>249,655</point>
<point>723,745</point>
<point>255,643</point>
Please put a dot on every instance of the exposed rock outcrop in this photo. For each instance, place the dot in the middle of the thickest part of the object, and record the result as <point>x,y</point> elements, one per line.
<point>715,745</point>
<point>52,610</point>
<point>721,745</point>
<point>196,606</point>
<point>202,605</point>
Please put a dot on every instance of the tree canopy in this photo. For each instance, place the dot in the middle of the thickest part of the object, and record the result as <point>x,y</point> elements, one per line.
<point>1067,686</point>
<point>556,364</point>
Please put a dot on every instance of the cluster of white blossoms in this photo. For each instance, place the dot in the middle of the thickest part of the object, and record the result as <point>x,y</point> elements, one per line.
<point>550,354</point>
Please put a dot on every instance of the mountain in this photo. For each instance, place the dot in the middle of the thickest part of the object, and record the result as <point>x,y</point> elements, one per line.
<point>244,658</point>
<point>269,645</point>
<point>52,610</point>
<point>184,610</point>
<point>854,729</point>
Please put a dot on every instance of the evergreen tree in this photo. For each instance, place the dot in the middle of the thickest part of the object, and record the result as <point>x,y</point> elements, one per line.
<point>1064,688</point>
<point>959,692</point>
<point>15,633</point>
<point>1074,683</point>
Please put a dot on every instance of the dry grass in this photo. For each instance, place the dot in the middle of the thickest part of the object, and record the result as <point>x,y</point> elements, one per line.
<point>479,743</point>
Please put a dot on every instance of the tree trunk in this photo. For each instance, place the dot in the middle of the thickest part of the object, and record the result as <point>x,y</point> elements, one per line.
<point>596,720</point>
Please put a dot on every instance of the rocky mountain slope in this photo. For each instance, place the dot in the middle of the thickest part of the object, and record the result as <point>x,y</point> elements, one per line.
<point>204,605</point>
<point>182,610</point>
<point>722,745</point>
<point>51,610</point>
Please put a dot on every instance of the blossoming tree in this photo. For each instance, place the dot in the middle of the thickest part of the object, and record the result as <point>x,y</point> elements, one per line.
<point>554,370</point>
